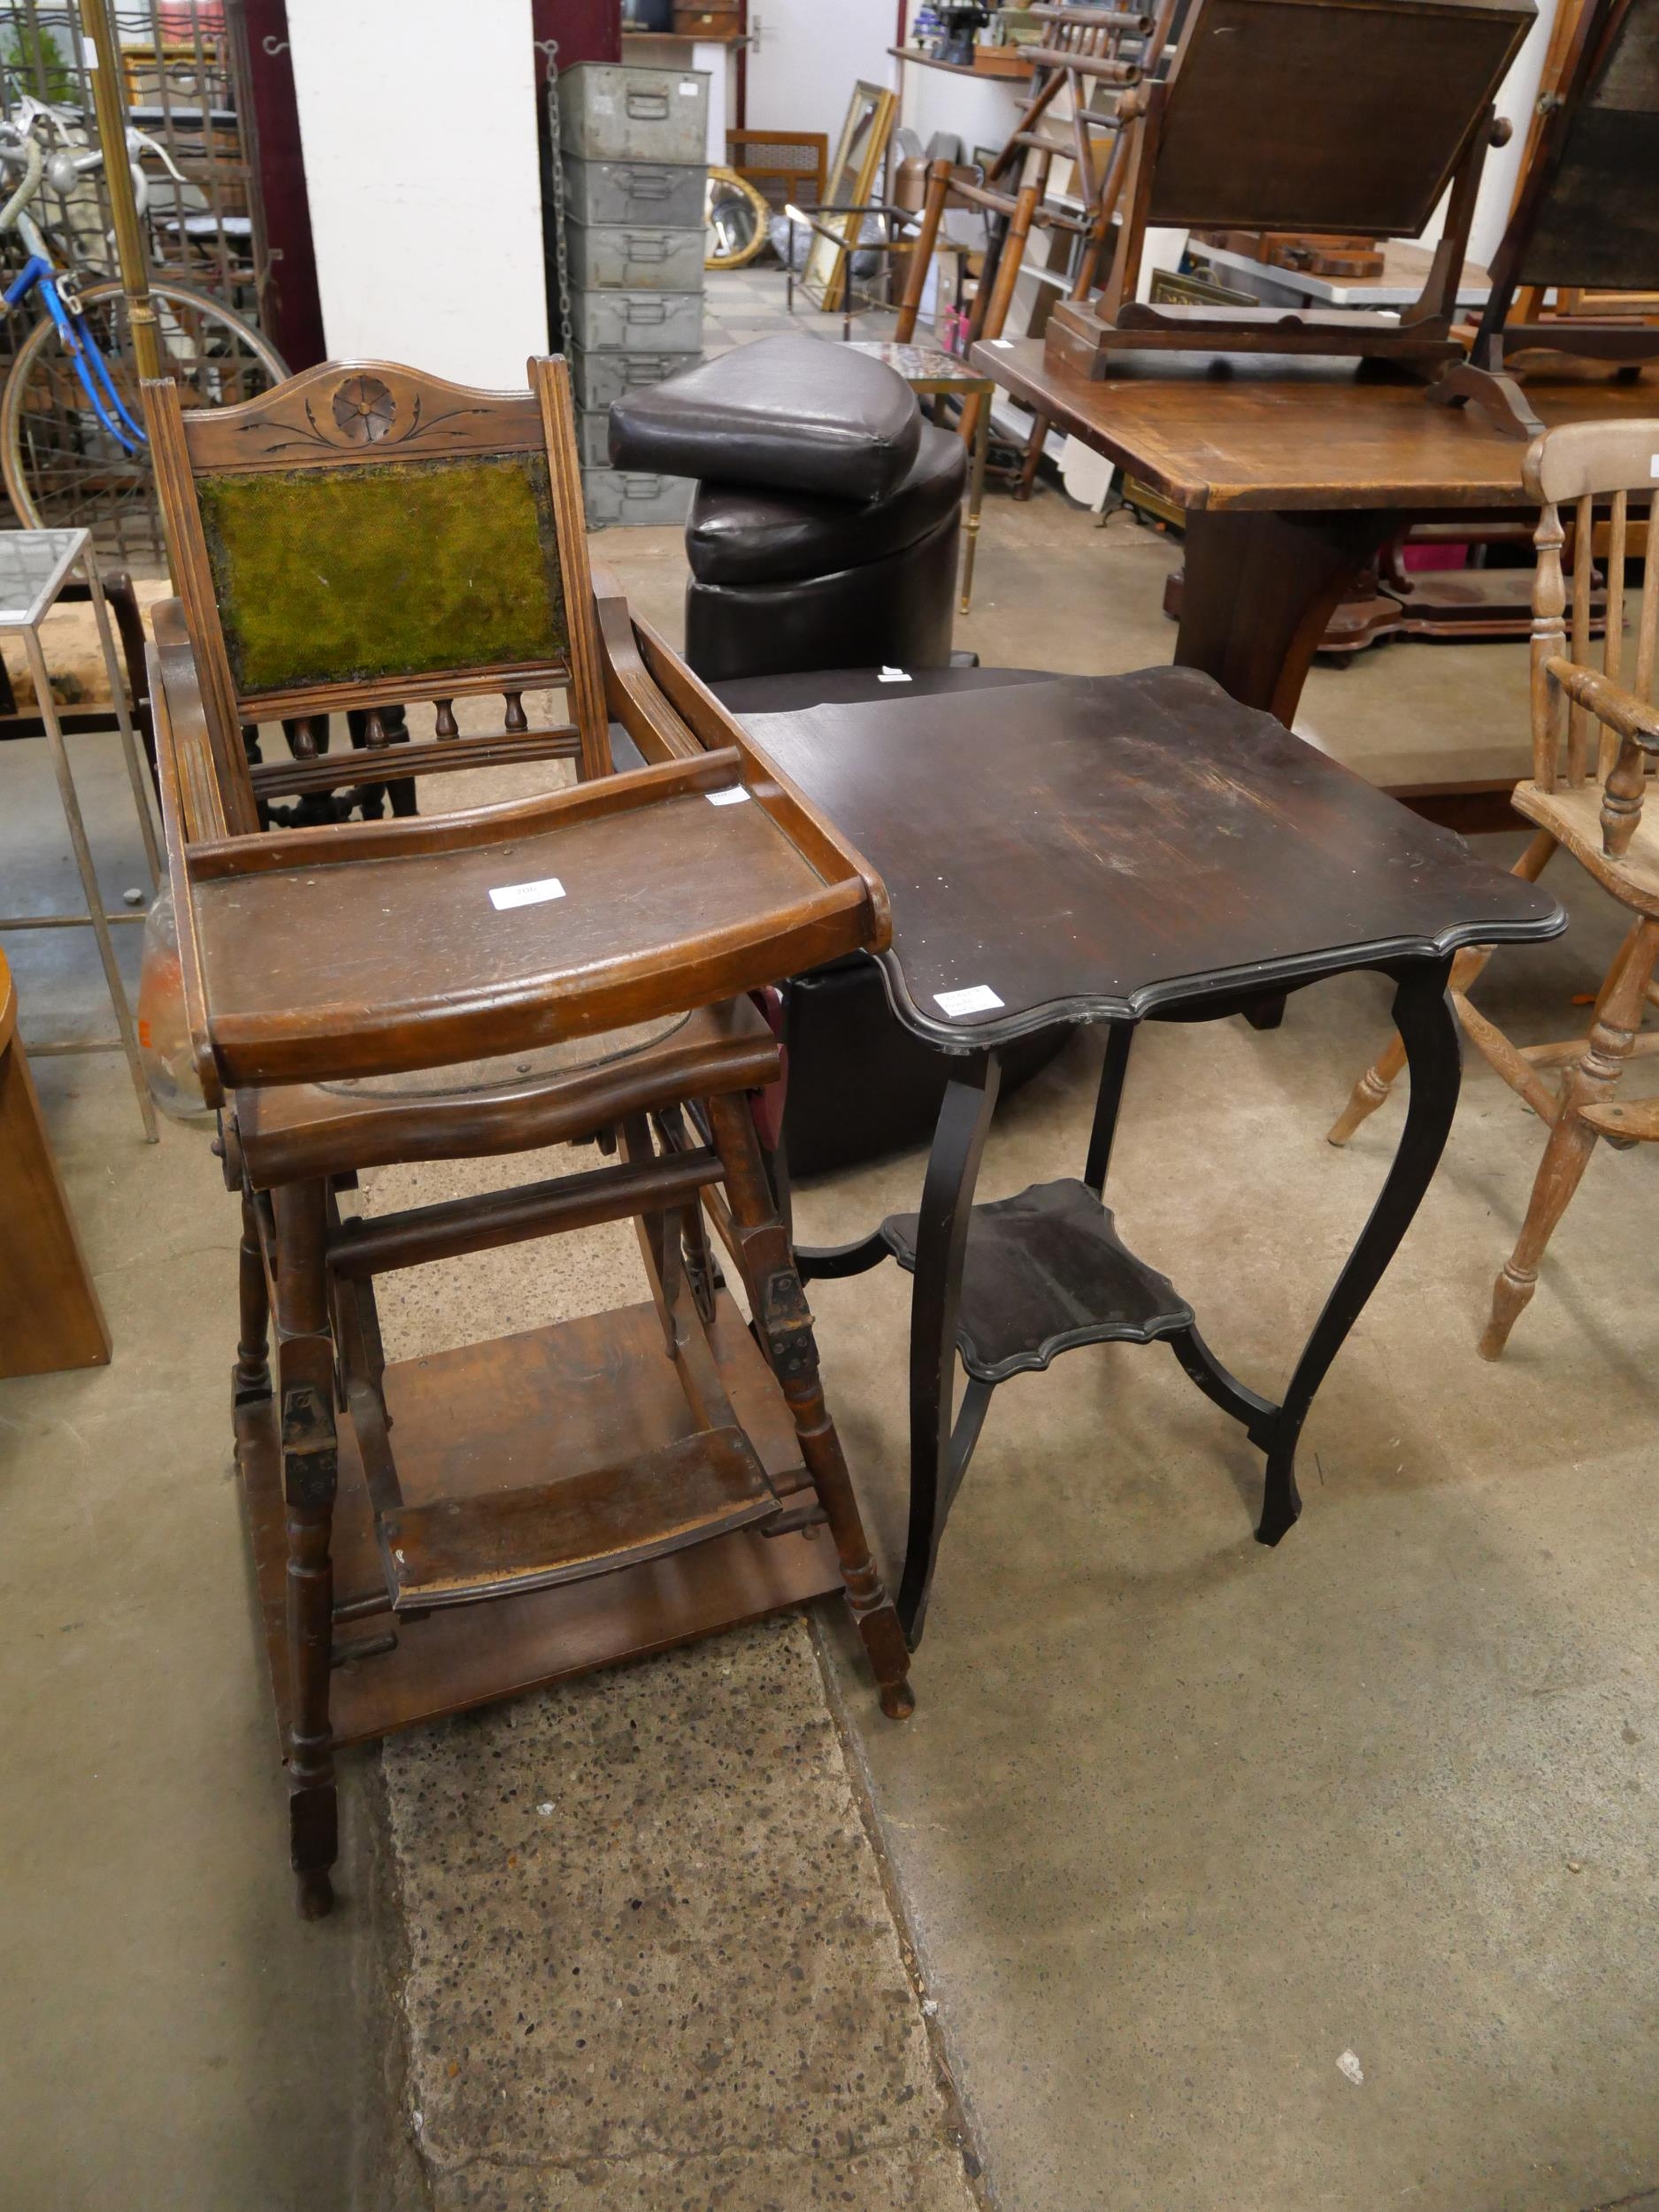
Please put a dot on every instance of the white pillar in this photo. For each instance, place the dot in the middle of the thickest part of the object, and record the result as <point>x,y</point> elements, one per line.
<point>419,121</point>
<point>714,58</point>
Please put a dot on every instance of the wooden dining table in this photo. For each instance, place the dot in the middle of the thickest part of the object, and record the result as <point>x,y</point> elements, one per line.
<point>1293,474</point>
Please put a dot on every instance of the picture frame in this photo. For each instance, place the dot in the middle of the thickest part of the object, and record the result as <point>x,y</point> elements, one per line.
<point>859,153</point>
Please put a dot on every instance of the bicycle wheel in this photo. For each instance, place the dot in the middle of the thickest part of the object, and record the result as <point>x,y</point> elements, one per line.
<point>62,469</point>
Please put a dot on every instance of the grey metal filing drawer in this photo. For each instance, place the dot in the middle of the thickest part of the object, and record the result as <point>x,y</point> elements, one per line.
<point>629,495</point>
<point>602,379</point>
<point>631,322</point>
<point>620,258</point>
<point>611,112</point>
<point>666,194</point>
<point>593,436</point>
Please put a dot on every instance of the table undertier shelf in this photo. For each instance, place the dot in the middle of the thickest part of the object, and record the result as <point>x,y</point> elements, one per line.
<point>1047,1271</point>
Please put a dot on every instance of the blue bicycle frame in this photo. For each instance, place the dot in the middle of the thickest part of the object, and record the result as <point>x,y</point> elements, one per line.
<point>38,275</point>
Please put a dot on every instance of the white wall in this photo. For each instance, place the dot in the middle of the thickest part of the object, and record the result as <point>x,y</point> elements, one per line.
<point>420,127</point>
<point>714,58</point>
<point>809,56</point>
<point>1501,174</point>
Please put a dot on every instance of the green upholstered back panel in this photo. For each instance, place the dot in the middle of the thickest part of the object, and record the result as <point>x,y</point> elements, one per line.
<point>401,567</point>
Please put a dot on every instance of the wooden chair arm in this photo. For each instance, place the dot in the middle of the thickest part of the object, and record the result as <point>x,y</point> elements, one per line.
<point>1622,710</point>
<point>191,810</point>
<point>174,671</point>
<point>713,727</point>
<point>632,695</point>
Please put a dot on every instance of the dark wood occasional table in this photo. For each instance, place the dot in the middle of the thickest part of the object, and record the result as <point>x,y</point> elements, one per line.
<point>1294,474</point>
<point>1119,850</point>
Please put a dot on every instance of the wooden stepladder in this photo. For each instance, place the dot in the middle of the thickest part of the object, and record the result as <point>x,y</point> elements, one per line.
<point>1083,49</point>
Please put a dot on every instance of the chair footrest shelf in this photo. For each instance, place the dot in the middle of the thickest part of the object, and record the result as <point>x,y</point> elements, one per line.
<point>457,1549</point>
<point>1047,1271</point>
<point>487,1419</point>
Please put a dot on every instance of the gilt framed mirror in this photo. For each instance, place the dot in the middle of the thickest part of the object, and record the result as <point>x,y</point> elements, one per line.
<point>859,153</point>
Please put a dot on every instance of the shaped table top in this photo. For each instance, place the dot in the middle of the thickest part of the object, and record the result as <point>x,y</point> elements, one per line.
<point>1106,847</point>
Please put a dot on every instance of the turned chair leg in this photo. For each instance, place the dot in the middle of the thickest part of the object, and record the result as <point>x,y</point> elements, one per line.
<point>1378,1079</point>
<point>1589,1082</point>
<point>784,1325</point>
<point>1370,1092</point>
<point>250,1377</point>
<point>305,1369</point>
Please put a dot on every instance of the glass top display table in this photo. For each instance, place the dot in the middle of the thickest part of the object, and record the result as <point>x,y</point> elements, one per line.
<point>34,566</point>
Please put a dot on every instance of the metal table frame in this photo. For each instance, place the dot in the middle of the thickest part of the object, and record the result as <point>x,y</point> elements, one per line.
<point>931,369</point>
<point>34,566</point>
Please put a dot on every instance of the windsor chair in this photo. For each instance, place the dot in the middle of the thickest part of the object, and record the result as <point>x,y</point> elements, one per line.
<point>1593,731</point>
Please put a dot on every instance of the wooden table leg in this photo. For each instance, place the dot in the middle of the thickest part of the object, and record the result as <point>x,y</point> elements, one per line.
<point>1428,1029</point>
<point>1260,587</point>
<point>942,1244</point>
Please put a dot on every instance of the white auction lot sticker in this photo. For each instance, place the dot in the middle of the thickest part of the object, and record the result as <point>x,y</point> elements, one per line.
<point>508,895</point>
<point>977,998</point>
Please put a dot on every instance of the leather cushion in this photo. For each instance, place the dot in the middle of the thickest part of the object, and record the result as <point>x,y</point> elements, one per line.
<point>794,414</point>
<point>898,611</point>
<point>742,535</point>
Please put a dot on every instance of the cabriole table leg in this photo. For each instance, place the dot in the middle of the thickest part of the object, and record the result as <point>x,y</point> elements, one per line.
<point>942,1244</point>
<point>1428,1028</point>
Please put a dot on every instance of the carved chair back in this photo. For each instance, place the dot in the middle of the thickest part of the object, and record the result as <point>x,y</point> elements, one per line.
<point>1583,466</point>
<point>364,536</point>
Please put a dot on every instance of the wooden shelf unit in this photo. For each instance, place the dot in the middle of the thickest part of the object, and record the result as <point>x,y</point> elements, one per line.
<point>956,69</point>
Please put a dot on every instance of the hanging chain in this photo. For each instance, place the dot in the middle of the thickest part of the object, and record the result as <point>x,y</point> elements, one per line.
<point>550,48</point>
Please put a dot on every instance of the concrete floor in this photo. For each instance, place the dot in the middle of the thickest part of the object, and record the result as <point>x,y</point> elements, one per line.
<point>1178,1823</point>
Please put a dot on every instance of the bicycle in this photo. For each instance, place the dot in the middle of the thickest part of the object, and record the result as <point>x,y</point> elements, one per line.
<point>73,449</point>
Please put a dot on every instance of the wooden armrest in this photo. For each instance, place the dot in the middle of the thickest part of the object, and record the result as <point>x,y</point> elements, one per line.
<point>1622,710</point>
<point>632,695</point>
<point>174,679</point>
<point>714,726</point>
<point>191,811</point>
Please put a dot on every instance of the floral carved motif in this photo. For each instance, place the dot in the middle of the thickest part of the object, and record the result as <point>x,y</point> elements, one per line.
<point>364,409</point>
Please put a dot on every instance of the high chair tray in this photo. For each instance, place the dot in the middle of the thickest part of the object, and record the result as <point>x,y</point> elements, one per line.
<point>378,948</point>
